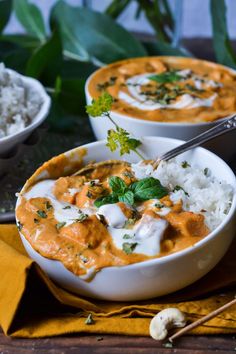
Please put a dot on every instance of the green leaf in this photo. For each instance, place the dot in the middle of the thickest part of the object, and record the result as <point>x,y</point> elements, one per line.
<point>109,199</point>
<point>148,188</point>
<point>31,18</point>
<point>116,7</point>
<point>5,12</point>
<point>100,106</point>
<point>22,40</point>
<point>128,247</point>
<point>14,56</point>
<point>222,46</point>
<point>127,198</point>
<point>92,35</point>
<point>117,185</point>
<point>46,61</point>
<point>72,96</point>
<point>168,76</point>
<point>163,48</point>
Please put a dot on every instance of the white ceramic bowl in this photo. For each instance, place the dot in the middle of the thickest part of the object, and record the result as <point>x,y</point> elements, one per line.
<point>158,276</point>
<point>224,146</point>
<point>9,142</point>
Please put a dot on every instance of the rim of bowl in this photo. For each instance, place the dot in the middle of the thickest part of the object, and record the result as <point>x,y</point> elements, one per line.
<point>180,253</point>
<point>173,124</point>
<point>42,113</point>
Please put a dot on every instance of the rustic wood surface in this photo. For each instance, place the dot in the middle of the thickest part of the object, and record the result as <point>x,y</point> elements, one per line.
<point>123,344</point>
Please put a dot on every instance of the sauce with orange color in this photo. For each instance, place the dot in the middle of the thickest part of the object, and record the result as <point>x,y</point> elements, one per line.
<point>193,91</point>
<point>59,219</point>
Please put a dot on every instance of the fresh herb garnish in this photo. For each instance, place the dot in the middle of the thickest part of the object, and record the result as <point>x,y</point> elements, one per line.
<point>128,247</point>
<point>103,86</point>
<point>129,222</point>
<point>167,76</point>
<point>59,225</point>
<point>81,217</point>
<point>206,171</point>
<point>42,214</point>
<point>48,205</point>
<point>128,174</point>
<point>118,137</point>
<point>185,164</point>
<point>127,236</point>
<point>159,205</point>
<point>19,225</point>
<point>178,188</point>
<point>89,320</point>
<point>67,207</point>
<point>145,189</point>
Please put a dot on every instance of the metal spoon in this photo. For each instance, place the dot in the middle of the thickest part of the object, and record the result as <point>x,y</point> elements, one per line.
<point>222,128</point>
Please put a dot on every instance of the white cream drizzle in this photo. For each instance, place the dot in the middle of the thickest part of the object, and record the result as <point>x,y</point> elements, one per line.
<point>136,99</point>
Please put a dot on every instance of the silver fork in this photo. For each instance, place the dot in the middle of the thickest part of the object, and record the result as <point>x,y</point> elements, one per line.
<point>222,128</point>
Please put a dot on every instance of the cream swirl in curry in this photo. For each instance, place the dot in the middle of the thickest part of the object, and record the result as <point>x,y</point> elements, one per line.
<point>168,89</point>
<point>106,217</point>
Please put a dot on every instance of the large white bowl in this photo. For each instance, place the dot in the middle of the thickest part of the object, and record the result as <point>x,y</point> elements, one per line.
<point>224,146</point>
<point>9,142</point>
<point>158,276</point>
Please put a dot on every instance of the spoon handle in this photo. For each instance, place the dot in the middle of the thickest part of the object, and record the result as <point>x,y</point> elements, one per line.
<point>222,128</point>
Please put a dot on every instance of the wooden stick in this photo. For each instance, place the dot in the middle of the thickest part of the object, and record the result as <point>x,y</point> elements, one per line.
<point>202,320</point>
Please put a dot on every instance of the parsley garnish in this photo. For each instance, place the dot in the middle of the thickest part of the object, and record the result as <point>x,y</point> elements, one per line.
<point>42,214</point>
<point>60,225</point>
<point>128,247</point>
<point>206,171</point>
<point>81,217</point>
<point>118,137</point>
<point>185,164</point>
<point>89,320</point>
<point>67,207</point>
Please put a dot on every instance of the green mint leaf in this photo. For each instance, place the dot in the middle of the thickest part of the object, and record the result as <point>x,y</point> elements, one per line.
<point>128,247</point>
<point>127,198</point>
<point>168,76</point>
<point>100,106</point>
<point>148,188</point>
<point>60,225</point>
<point>117,185</point>
<point>109,199</point>
<point>42,214</point>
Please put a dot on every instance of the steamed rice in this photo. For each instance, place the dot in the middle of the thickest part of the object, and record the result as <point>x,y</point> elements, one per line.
<point>201,192</point>
<point>18,104</point>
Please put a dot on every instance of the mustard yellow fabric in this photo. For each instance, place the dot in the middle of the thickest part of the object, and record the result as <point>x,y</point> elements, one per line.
<point>32,306</point>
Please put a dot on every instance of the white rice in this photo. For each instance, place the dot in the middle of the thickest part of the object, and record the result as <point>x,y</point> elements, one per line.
<point>202,193</point>
<point>18,104</point>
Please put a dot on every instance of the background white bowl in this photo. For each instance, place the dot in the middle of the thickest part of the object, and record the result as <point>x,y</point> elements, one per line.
<point>162,275</point>
<point>9,142</point>
<point>224,146</point>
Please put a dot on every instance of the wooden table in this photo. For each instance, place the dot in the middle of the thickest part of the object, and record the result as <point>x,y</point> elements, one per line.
<point>83,343</point>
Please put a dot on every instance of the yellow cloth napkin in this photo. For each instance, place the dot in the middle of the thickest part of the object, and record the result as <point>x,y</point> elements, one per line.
<point>31,305</point>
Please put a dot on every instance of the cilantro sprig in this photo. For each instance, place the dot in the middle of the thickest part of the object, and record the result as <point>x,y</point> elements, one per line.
<point>118,137</point>
<point>144,189</point>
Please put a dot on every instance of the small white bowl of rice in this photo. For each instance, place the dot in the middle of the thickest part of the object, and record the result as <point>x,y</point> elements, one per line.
<point>24,105</point>
<point>206,186</point>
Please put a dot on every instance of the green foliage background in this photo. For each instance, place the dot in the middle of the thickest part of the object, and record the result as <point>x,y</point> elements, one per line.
<point>80,40</point>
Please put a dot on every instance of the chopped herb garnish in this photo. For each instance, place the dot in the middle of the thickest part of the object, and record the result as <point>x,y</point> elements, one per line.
<point>129,247</point>
<point>36,221</point>
<point>67,207</point>
<point>128,174</point>
<point>129,222</point>
<point>19,225</point>
<point>185,164</point>
<point>127,236</point>
<point>206,171</point>
<point>92,183</point>
<point>103,86</point>
<point>42,214</point>
<point>89,320</point>
<point>178,188</point>
<point>48,205</point>
<point>89,195</point>
<point>81,217</point>
<point>159,205</point>
<point>59,225</point>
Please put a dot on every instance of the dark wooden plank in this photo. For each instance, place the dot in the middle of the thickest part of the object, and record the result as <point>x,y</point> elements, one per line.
<point>117,344</point>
